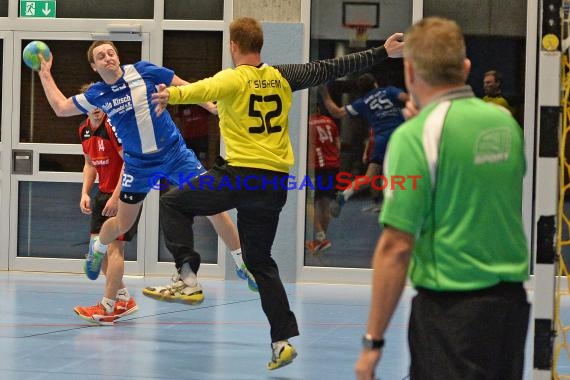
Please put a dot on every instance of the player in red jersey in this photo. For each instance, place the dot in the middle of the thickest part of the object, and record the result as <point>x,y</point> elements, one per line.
<point>324,159</point>
<point>104,158</point>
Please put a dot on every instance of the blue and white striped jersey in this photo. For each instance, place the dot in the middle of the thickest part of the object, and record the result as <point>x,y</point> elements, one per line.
<point>128,105</point>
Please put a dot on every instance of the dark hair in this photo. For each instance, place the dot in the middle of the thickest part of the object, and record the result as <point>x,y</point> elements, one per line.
<point>366,82</point>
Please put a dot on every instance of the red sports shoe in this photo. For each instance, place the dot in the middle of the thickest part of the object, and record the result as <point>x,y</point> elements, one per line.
<point>311,245</point>
<point>124,308</point>
<point>316,246</point>
<point>96,314</point>
<point>322,245</point>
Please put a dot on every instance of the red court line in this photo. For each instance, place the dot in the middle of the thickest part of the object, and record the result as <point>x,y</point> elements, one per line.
<point>178,323</point>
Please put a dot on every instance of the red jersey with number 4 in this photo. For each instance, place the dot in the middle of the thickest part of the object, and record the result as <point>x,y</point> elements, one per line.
<point>323,150</point>
<point>102,147</point>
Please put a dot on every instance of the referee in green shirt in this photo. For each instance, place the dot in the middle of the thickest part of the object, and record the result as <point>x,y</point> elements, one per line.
<point>459,235</point>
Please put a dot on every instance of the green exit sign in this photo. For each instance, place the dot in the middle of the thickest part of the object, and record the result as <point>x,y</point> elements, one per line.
<point>37,8</point>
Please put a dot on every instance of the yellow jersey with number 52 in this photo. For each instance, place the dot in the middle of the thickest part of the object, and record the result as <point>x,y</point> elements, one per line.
<point>253,107</point>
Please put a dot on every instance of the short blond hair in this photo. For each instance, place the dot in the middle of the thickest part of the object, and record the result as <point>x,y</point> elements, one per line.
<point>436,48</point>
<point>247,33</point>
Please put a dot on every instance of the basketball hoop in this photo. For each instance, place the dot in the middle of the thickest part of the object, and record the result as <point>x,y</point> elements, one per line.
<point>360,37</point>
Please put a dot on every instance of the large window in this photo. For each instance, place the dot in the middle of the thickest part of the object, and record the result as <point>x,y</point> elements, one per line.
<point>194,9</point>
<point>50,223</point>
<point>492,44</point>
<point>340,28</point>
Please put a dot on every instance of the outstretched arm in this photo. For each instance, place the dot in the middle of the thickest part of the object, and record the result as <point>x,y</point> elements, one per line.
<point>177,81</point>
<point>301,76</point>
<point>336,111</point>
<point>61,105</point>
<point>208,106</point>
<point>214,88</point>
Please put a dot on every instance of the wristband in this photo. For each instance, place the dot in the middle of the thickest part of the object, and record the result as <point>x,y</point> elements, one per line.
<point>369,343</point>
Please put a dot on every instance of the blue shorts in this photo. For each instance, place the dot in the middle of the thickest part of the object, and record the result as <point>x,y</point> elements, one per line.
<point>380,144</point>
<point>174,165</point>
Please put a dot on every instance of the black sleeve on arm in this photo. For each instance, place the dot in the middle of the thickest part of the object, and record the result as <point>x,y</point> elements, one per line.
<point>305,75</point>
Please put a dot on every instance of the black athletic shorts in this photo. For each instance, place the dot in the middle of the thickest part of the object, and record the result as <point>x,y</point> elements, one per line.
<point>325,183</point>
<point>476,335</point>
<point>97,219</point>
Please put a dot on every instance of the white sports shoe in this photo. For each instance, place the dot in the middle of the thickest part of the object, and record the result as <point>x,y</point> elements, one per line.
<point>178,291</point>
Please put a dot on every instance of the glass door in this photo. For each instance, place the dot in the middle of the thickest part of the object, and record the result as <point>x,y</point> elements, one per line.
<point>201,133</point>
<point>342,147</point>
<point>48,231</point>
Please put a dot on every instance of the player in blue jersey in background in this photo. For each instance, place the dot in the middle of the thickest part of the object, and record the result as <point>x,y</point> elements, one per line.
<point>151,144</point>
<point>381,108</point>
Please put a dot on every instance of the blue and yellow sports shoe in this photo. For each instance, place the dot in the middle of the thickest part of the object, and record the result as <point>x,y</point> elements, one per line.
<point>92,265</point>
<point>243,273</point>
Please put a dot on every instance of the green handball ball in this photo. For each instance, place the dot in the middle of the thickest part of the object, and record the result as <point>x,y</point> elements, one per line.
<point>31,51</point>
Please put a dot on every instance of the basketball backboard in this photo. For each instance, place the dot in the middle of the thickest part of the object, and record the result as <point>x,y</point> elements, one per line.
<point>360,13</point>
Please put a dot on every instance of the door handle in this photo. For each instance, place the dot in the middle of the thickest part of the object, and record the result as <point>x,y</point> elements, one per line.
<point>22,161</point>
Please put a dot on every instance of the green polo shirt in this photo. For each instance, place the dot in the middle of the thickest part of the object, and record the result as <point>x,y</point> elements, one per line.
<point>465,210</point>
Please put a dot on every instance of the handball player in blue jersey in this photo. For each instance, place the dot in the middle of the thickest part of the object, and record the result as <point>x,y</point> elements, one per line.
<point>381,107</point>
<point>151,144</point>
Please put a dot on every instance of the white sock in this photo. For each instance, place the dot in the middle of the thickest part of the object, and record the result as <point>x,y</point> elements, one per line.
<point>108,304</point>
<point>99,247</point>
<point>347,193</point>
<point>277,346</point>
<point>236,254</point>
<point>188,276</point>
<point>123,295</point>
<point>321,235</point>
